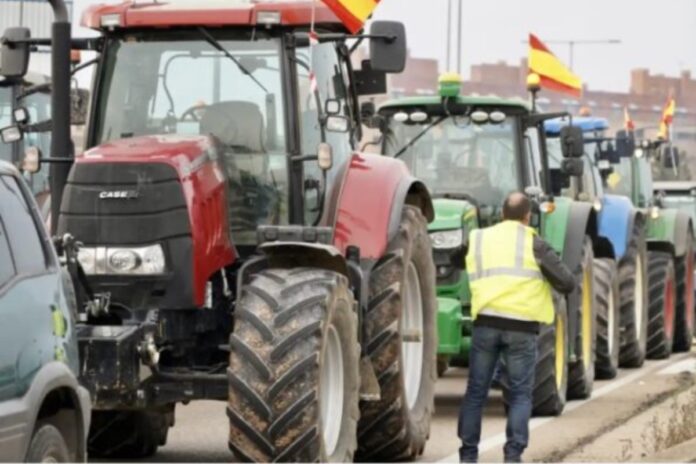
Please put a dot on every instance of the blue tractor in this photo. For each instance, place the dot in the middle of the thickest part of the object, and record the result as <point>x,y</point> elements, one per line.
<point>620,247</point>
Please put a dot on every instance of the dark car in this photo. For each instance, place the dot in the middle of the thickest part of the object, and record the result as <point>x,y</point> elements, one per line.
<point>44,412</point>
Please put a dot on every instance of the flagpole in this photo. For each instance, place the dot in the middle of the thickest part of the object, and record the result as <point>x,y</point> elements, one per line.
<point>449,34</point>
<point>459,38</point>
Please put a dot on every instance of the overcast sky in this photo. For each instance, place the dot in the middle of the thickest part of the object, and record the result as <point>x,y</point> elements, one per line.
<point>657,34</point>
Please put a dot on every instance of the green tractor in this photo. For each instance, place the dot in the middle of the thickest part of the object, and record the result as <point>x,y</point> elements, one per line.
<point>471,152</point>
<point>669,235</point>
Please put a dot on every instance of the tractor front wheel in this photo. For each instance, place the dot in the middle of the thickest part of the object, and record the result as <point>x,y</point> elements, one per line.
<point>582,372</point>
<point>551,374</point>
<point>634,299</point>
<point>661,303</point>
<point>402,345</point>
<point>608,330</point>
<point>294,368</point>
<point>684,321</point>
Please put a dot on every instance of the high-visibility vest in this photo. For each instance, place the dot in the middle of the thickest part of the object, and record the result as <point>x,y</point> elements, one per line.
<point>504,276</point>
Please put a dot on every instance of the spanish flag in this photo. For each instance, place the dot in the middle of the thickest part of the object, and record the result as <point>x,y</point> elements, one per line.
<point>553,73</point>
<point>667,117</point>
<point>353,13</point>
<point>629,125</point>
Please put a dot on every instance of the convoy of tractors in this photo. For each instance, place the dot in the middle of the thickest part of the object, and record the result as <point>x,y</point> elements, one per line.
<point>224,238</point>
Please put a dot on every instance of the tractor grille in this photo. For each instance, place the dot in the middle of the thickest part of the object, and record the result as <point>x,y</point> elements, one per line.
<point>130,205</point>
<point>124,204</point>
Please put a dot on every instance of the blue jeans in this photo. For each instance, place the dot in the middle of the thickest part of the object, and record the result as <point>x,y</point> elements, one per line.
<point>519,351</point>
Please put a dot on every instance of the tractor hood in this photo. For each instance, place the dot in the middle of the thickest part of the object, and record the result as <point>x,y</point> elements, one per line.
<point>184,153</point>
<point>451,214</point>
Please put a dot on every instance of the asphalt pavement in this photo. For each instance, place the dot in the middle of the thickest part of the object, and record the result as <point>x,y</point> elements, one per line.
<point>200,433</point>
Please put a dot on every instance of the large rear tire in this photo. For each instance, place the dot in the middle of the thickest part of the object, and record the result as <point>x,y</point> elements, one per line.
<point>402,299</point>
<point>551,371</point>
<point>661,304</point>
<point>608,330</point>
<point>581,373</point>
<point>294,368</point>
<point>128,434</point>
<point>634,299</point>
<point>684,321</point>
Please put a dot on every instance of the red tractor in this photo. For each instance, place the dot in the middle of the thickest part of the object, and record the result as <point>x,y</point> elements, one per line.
<point>239,247</point>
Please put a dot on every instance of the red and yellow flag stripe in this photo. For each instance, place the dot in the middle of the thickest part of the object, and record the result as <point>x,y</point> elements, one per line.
<point>667,118</point>
<point>553,74</point>
<point>353,13</point>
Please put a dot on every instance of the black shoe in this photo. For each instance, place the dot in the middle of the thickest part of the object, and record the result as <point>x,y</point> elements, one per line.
<point>513,459</point>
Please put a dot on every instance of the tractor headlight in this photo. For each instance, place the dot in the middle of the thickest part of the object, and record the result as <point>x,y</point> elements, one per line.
<point>147,260</point>
<point>446,239</point>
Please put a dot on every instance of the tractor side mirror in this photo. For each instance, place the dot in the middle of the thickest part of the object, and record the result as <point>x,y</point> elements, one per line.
<point>79,105</point>
<point>670,157</point>
<point>573,167</point>
<point>32,160</point>
<point>14,57</point>
<point>388,46</point>
<point>572,144</point>
<point>11,134</point>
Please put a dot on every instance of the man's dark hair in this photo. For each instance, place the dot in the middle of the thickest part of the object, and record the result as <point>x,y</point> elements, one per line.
<point>516,207</point>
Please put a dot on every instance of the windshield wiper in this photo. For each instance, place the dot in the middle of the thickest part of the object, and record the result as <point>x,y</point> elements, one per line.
<point>217,45</point>
<point>417,137</point>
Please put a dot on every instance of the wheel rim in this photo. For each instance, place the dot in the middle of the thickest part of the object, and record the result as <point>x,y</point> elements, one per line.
<point>610,321</point>
<point>638,297</point>
<point>669,308</point>
<point>560,352</point>
<point>331,388</point>
<point>586,318</point>
<point>412,336</point>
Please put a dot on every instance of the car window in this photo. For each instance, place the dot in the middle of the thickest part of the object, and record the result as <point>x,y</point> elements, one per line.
<point>7,269</point>
<point>25,241</point>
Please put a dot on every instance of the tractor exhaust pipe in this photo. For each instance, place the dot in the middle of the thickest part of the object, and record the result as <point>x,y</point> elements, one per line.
<point>61,144</point>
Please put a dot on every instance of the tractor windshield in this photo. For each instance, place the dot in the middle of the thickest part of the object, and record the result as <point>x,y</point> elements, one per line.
<point>202,82</point>
<point>457,157</point>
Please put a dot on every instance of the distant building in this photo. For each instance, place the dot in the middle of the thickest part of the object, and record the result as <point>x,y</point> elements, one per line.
<point>37,15</point>
<point>644,100</point>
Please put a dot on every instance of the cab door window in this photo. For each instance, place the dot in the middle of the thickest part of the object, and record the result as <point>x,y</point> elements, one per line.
<point>27,246</point>
<point>323,61</point>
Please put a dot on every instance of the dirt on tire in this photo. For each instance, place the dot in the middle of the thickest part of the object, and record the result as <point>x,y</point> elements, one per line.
<point>684,316</point>
<point>283,321</point>
<point>390,429</point>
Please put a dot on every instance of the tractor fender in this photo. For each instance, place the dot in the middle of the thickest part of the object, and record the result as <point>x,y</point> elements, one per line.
<point>616,222</point>
<point>296,254</point>
<point>565,228</point>
<point>369,205</point>
<point>582,221</point>
<point>669,231</point>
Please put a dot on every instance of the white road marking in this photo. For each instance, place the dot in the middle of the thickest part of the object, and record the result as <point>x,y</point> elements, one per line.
<point>687,365</point>
<point>499,439</point>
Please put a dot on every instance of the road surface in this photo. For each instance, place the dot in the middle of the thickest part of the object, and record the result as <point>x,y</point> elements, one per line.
<point>200,433</point>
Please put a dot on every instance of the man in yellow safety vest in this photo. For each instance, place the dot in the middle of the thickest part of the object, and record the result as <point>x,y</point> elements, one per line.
<point>511,273</point>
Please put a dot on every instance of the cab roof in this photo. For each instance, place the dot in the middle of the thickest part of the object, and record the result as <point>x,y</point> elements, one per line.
<point>465,100</point>
<point>585,123</point>
<point>163,13</point>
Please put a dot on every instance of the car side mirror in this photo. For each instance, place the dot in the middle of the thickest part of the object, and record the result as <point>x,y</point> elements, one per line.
<point>572,144</point>
<point>388,46</point>
<point>573,167</point>
<point>14,57</point>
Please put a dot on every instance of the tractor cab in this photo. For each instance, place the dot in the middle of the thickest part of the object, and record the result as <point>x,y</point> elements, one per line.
<point>28,100</point>
<point>231,235</point>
